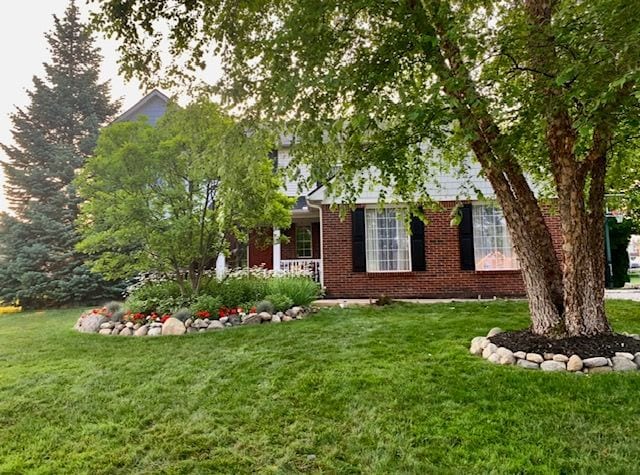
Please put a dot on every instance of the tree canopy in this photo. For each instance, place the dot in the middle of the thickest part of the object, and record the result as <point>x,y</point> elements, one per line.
<point>169,198</point>
<point>535,88</point>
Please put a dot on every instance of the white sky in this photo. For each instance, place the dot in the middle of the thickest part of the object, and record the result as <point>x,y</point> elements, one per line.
<point>23,49</point>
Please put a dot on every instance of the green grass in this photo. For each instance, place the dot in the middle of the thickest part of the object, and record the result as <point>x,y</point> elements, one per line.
<point>634,278</point>
<point>373,390</point>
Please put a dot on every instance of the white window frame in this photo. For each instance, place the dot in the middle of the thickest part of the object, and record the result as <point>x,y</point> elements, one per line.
<point>368,240</point>
<point>309,228</point>
<point>488,236</point>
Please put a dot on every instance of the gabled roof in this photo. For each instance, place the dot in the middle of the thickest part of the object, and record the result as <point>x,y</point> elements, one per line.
<point>141,105</point>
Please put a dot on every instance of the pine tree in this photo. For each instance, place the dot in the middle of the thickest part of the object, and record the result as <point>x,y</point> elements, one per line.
<point>52,138</point>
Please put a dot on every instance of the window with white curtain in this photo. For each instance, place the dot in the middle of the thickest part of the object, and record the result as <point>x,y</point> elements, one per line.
<point>491,240</point>
<point>388,244</point>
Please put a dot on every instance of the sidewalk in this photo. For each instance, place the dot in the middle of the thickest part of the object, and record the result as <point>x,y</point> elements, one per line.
<point>619,294</point>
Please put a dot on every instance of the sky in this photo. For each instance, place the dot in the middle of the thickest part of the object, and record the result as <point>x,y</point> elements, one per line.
<point>23,49</point>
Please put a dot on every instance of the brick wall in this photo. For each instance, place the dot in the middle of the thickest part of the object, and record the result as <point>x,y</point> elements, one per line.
<point>442,279</point>
<point>260,249</point>
<point>288,249</point>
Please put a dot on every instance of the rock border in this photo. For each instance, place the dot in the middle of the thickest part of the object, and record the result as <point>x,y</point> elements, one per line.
<point>98,323</point>
<point>621,362</point>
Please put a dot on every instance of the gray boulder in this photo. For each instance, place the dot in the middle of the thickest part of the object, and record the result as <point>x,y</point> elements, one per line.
<point>560,358</point>
<point>550,365</point>
<point>265,316</point>
<point>622,363</point>
<point>107,325</point>
<point>154,331</point>
<point>521,355</point>
<point>276,319</point>
<point>287,318</point>
<point>494,331</point>
<point>494,358</point>
<point>528,364</point>
<point>535,358</point>
<point>126,332</point>
<point>489,350</point>
<point>476,345</point>
<point>624,354</point>
<point>595,362</point>
<point>105,331</point>
<point>252,319</point>
<point>142,331</point>
<point>90,323</point>
<point>215,325</point>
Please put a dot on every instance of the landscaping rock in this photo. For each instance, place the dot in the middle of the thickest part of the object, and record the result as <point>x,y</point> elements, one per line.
<point>494,358</point>
<point>252,319</point>
<point>142,331</point>
<point>224,320</point>
<point>624,354</point>
<point>575,363</point>
<point>489,350</point>
<point>295,312</point>
<point>476,345</point>
<point>108,325</point>
<point>156,325</point>
<point>548,356</point>
<point>235,320</point>
<point>599,369</point>
<point>105,331</point>
<point>528,364</point>
<point>192,330</point>
<point>265,316</point>
<point>535,358</point>
<point>595,362</point>
<point>120,326</point>
<point>276,319</point>
<point>287,318</point>
<point>485,342</point>
<point>199,323</point>
<point>622,363</point>
<point>507,359</point>
<point>126,332</point>
<point>115,331</point>
<point>155,331</point>
<point>215,325</point>
<point>494,331</point>
<point>173,326</point>
<point>560,358</point>
<point>188,322</point>
<point>636,359</point>
<point>550,365</point>
<point>129,324</point>
<point>137,326</point>
<point>91,323</point>
<point>520,355</point>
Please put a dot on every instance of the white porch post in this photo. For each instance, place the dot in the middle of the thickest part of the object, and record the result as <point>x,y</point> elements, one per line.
<point>276,250</point>
<point>221,266</point>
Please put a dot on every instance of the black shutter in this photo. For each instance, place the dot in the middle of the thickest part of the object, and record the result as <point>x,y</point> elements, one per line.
<point>358,241</point>
<point>465,229</point>
<point>418,262</point>
<point>273,156</point>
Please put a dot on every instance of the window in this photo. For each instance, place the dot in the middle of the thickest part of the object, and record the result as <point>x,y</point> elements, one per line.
<point>304,248</point>
<point>388,245</point>
<point>491,240</point>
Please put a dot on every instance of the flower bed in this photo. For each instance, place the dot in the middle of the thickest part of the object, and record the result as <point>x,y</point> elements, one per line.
<point>579,355</point>
<point>106,322</point>
<point>10,309</point>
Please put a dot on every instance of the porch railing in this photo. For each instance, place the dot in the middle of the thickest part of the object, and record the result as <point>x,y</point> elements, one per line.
<point>312,266</point>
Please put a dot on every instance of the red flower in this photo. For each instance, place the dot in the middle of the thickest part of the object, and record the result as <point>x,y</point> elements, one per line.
<point>165,318</point>
<point>203,314</point>
<point>223,312</point>
<point>253,310</point>
<point>233,311</point>
<point>138,316</point>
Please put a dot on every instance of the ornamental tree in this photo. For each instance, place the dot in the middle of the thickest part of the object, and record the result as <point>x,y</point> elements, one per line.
<point>542,89</point>
<point>52,136</point>
<point>169,198</point>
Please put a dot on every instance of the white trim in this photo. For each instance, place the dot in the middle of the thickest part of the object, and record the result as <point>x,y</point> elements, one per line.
<point>319,208</point>
<point>276,250</point>
<point>377,208</point>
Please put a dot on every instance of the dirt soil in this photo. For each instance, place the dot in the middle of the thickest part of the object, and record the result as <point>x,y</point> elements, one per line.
<point>585,347</point>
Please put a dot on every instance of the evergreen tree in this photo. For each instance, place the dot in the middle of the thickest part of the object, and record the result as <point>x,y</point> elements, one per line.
<point>52,138</point>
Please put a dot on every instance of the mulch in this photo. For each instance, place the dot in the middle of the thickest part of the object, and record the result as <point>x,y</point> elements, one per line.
<point>585,347</point>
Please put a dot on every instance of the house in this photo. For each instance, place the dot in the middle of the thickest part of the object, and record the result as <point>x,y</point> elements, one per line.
<point>370,253</point>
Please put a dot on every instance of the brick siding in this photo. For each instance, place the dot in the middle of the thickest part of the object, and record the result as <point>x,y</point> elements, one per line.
<point>443,277</point>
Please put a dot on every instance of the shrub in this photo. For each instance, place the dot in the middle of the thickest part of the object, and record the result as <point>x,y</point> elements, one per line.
<point>182,314</point>
<point>280,302</point>
<point>113,307</point>
<point>206,303</point>
<point>301,290</point>
<point>160,297</point>
<point>234,292</point>
<point>265,306</point>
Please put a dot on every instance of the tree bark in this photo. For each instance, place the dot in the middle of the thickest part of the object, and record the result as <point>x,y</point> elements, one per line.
<point>566,293</point>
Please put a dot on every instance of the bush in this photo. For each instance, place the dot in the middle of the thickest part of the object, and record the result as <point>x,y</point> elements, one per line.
<point>206,303</point>
<point>183,314</point>
<point>265,306</point>
<point>301,290</point>
<point>113,307</point>
<point>280,302</point>
<point>160,297</point>
<point>237,291</point>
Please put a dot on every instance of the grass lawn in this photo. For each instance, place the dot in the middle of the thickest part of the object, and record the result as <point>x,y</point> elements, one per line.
<point>634,278</point>
<point>372,390</point>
